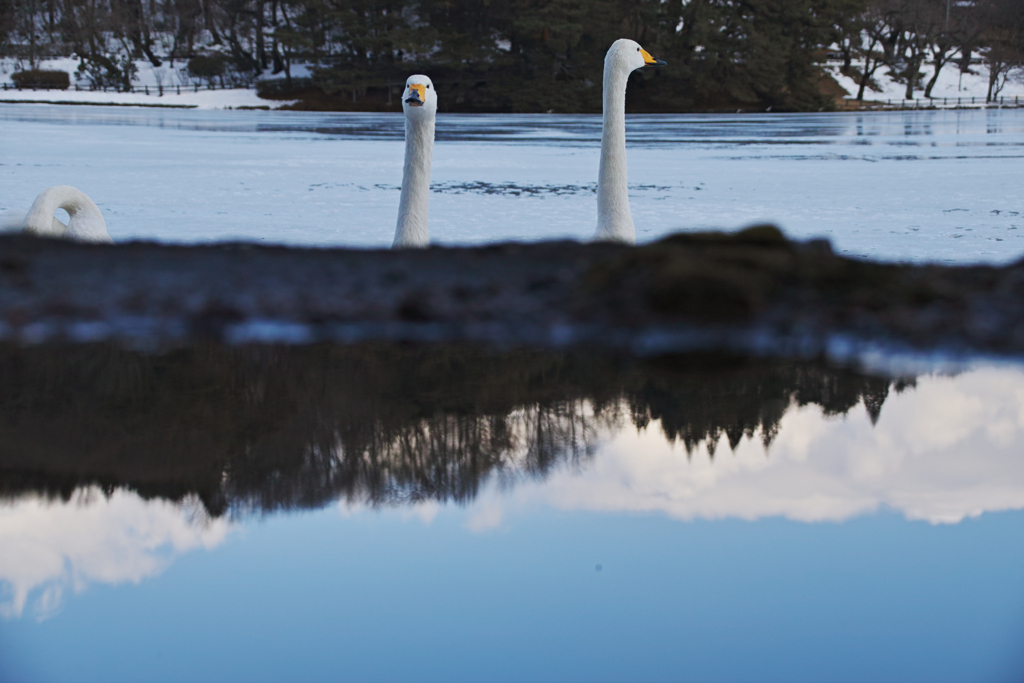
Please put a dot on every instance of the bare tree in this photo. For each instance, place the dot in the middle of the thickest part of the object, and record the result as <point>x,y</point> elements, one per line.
<point>877,38</point>
<point>1003,32</point>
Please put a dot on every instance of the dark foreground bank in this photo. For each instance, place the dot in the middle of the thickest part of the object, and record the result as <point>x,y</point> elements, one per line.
<point>749,292</point>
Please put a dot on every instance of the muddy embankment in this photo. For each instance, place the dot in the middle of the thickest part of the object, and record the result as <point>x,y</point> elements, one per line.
<point>749,292</point>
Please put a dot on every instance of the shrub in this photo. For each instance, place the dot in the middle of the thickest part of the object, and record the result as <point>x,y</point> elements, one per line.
<point>206,67</point>
<point>115,71</point>
<point>42,78</point>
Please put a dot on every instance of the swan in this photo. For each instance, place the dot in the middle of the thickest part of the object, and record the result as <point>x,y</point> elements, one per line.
<point>11,221</point>
<point>420,106</point>
<point>86,223</point>
<point>614,222</point>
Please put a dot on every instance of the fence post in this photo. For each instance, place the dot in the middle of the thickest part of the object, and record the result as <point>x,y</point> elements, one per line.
<point>196,86</point>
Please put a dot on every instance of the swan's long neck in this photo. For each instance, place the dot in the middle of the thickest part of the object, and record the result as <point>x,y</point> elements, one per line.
<point>86,222</point>
<point>614,222</point>
<point>412,228</point>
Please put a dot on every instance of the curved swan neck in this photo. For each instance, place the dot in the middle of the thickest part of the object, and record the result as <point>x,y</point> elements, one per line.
<point>86,222</point>
<point>614,221</point>
<point>413,230</point>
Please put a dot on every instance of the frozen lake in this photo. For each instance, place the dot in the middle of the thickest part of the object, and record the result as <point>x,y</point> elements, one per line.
<point>939,186</point>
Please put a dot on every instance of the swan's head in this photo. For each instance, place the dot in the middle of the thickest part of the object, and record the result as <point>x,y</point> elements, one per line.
<point>627,55</point>
<point>419,100</point>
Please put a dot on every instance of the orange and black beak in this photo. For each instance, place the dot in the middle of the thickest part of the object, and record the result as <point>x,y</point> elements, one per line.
<point>416,95</point>
<point>651,61</point>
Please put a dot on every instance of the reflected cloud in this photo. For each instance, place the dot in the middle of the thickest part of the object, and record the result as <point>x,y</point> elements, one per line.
<point>945,451</point>
<point>415,430</point>
<point>244,431</point>
<point>53,547</point>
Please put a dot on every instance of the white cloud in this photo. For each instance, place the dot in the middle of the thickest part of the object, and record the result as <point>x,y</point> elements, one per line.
<point>51,547</point>
<point>950,448</point>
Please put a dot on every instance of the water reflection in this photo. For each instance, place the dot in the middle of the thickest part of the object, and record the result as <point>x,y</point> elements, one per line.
<point>113,463</point>
<point>260,429</point>
<point>946,450</point>
<point>53,548</point>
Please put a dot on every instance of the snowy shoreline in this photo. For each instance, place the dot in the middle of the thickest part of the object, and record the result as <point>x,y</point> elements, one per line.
<point>235,98</point>
<point>246,98</point>
<point>760,294</point>
<point>950,85</point>
<point>180,92</point>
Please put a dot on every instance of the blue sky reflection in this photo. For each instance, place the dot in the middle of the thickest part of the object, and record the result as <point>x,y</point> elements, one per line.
<point>921,580</point>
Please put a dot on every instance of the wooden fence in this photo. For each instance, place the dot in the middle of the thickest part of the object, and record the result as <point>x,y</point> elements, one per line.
<point>938,103</point>
<point>158,90</point>
<point>899,104</point>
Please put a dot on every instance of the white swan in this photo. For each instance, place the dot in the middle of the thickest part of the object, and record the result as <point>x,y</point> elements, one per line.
<point>614,221</point>
<point>86,223</point>
<point>420,106</point>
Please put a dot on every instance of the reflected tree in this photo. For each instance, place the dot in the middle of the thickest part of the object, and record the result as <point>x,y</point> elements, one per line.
<point>251,429</point>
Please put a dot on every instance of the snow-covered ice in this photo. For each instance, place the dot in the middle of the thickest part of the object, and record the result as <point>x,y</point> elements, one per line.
<point>929,185</point>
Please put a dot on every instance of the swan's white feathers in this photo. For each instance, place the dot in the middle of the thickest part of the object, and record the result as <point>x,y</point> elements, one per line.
<point>419,103</point>
<point>86,222</point>
<point>614,220</point>
<point>13,221</point>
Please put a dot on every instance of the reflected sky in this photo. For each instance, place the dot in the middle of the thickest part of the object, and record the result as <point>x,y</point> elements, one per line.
<point>941,186</point>
<point>948,449</point>
<point>54,549</point>
<point>880,541</point>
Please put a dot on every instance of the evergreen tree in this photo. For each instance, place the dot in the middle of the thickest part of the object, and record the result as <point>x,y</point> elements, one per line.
<point>523,55</point>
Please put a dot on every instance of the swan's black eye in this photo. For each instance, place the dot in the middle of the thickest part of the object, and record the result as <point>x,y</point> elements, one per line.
<point>428,87</point>
<point>638,49</point>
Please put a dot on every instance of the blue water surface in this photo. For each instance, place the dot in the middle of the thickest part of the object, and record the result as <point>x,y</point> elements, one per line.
<point>554,596</point>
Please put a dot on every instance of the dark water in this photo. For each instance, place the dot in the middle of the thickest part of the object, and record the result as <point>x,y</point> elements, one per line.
<point>997,130</point>
<point>395,512</point>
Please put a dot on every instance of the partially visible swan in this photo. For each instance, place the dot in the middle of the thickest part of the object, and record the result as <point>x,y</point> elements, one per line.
<point>11,221</point>
<point>614,221</point>
<point>419,102</point>
<point>86,223</point>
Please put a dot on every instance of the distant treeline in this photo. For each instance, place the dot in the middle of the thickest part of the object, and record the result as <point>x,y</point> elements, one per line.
<point>527,55</point>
